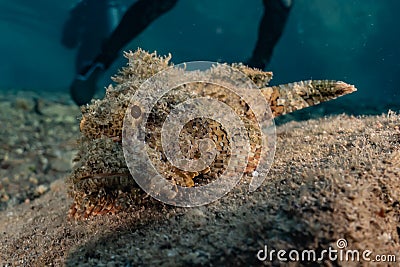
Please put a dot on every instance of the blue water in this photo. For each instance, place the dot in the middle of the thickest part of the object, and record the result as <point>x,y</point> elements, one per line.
<point>356,41</point>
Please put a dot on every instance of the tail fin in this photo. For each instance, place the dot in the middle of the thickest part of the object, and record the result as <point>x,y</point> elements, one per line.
<point>290,97</point>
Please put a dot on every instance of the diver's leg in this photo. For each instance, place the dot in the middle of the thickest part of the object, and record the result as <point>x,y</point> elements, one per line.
<point>276,13</point>
<point>140,15</point>
<point>135,20</point>
<point>71,32</point>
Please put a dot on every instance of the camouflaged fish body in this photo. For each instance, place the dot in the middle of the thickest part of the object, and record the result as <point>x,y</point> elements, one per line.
<point>101,183</point>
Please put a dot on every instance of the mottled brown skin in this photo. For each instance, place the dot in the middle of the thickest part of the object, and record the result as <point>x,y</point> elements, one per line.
<point>101,183</point>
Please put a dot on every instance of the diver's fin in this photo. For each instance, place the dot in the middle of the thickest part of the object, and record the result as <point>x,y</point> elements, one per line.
<point>84,85</point>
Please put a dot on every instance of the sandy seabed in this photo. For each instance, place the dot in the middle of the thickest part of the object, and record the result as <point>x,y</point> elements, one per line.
<point>332,178</point>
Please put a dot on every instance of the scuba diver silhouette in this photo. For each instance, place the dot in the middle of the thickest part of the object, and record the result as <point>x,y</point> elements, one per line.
<point>94,21</point>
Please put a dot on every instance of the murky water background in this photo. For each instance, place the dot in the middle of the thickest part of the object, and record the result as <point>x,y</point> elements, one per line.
<point>356,41</point>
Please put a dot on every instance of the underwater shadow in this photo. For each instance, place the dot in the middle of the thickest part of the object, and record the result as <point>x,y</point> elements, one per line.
<point>229,231</point>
